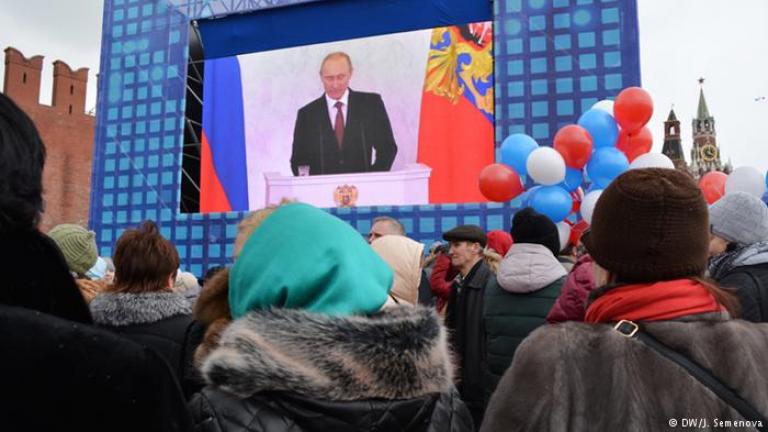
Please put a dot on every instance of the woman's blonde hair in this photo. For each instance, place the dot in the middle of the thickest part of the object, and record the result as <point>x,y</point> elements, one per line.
<point>251,221</point>
<point>492,258</point>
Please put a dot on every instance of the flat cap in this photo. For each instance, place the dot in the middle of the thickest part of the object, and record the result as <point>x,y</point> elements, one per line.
<point>470,233</point>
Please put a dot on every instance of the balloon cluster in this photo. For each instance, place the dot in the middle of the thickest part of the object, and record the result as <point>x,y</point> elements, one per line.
<point>747,179</point>
<point>608,139</point>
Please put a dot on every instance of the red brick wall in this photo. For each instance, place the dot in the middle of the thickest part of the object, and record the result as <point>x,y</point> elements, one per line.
<point>65,129</point>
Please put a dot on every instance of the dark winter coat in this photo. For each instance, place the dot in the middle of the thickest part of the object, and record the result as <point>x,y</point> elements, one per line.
<point>584,377</point>
<point>158,320</point>
<point>426,298</point>
<point>529,281</point>
<point>367,129</point>
<point>464,318</point>
<point>745,270</point>
<point>571,304</point>
<point>36,276</point>
<point>58,375</point>
<point>751,286</point>
<point>290,370</point>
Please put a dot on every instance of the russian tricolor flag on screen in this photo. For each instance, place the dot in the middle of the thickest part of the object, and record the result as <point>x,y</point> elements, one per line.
<point>223,171</point>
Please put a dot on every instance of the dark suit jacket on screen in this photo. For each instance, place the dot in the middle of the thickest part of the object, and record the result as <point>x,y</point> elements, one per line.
<point>367,128</point>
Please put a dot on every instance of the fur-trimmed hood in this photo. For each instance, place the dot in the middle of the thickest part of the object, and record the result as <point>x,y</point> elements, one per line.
<point>124,309</point>
<point>399,353</point>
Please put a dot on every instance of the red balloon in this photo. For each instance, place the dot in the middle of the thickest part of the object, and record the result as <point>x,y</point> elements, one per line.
<point>713,185</point>
<point>635,144</point>
<point>500,183</point>
<point>574,144</point>
<point>633,108</point>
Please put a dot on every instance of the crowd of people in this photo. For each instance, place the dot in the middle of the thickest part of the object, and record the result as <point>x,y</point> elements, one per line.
<point>653,315</point>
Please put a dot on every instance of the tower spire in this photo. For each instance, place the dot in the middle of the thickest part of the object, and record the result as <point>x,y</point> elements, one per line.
<point>672,117</point>
<point>702,112</point>
<point>672,144</point>
<point>705,154</point>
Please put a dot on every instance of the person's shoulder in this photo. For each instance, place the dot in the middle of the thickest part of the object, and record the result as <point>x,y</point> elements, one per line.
<point>229,412</point>
<point>757,270</point>
<point>709,330</point>
<point>313,105</point>
<point>364,96</point>
<point>569,331</point>
<point>568,334</point>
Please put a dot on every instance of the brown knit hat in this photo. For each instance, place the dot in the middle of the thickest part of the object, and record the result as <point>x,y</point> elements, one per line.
<point>649,225</point>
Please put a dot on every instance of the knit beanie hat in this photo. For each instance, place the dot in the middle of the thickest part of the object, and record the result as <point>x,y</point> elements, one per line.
<point>739,217</point>
<point>530,226</point>
<point>650,225</point>
<point>77,244</point>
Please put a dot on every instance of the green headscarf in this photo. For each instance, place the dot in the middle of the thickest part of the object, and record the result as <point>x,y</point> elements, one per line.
<point>302,257</point>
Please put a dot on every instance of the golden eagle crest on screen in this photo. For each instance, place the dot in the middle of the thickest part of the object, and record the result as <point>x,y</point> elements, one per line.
<point>461,64</point>
<point>345,196</point>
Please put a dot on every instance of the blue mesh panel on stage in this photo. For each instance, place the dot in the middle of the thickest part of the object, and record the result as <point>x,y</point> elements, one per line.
<point>554,59</point>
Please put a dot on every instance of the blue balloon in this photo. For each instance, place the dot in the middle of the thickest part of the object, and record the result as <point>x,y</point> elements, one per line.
<point>573,179</point>
<point>601,127</point>
<point>515,150</point>
<point>525,197</point>
<point>553,201</point>
<point>605,165</point>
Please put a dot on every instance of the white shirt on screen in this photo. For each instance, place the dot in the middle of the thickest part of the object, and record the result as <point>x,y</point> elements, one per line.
<point>332,109</point>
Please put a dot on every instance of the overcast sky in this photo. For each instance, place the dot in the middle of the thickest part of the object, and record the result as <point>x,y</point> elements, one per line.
<point>58,30</point>
<point>680,41</point>
<point>726,42</point>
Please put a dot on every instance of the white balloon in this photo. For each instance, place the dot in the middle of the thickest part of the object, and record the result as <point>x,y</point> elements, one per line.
<point>546,166</point>
<point>564,231</point>
<point>588,205</point>
<point>652,160</point>
<point>746,179</point>
<point>604,105</point>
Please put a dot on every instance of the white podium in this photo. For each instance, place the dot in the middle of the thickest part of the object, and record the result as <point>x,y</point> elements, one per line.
<point>409,186</point>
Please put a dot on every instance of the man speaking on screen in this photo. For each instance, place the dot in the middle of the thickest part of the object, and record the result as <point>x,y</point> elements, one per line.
<point>343,131</point>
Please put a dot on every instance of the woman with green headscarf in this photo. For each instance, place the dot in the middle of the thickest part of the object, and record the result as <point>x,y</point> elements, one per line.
<point>310,348</point>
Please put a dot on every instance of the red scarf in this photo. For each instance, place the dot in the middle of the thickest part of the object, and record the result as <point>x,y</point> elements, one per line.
<point>654,301</point>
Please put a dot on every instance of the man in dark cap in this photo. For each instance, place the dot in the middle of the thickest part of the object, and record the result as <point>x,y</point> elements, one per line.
<point>465,312</point>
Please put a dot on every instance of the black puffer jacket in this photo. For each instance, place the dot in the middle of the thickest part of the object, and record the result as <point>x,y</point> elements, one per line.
<point>745,270</point>
<point>751,285</point>
<point>294,371</point>
<point>287,412</point>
